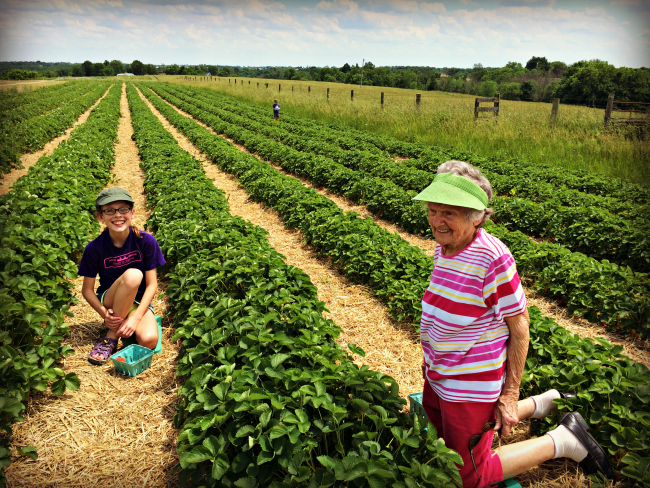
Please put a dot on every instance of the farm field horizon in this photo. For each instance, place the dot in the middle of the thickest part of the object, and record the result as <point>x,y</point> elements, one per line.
<point>577,142</point>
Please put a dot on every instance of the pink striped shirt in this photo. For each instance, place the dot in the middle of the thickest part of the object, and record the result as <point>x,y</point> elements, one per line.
<point>463,331</point>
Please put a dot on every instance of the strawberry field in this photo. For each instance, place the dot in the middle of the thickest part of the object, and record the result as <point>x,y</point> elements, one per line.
<point>268,397</point>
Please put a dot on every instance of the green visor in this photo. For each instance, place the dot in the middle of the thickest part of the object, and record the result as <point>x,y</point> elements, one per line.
<point>454,190</point>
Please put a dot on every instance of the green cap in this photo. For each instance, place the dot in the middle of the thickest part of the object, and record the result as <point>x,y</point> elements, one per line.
<point>111,195</point>
<point>454,190</point>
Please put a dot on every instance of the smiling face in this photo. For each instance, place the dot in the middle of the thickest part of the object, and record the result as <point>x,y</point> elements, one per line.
<point>450,228</point>
<point>117,223</point>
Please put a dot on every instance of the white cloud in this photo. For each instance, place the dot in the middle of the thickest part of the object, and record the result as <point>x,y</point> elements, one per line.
<point>433,8</point>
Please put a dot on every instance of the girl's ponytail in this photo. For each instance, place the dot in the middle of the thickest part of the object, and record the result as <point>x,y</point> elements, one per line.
<point>135,230</point>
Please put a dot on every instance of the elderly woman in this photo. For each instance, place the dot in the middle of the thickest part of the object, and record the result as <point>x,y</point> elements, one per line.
<point>474,334</point>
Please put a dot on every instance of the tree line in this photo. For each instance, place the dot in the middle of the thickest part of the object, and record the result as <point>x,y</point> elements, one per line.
<point>539,80</point>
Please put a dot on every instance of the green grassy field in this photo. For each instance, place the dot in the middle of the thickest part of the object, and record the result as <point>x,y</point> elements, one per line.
<point>447,119</point>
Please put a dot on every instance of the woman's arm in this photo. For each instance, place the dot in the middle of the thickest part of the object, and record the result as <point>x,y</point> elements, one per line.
<point>517,351</point>
<point>128,326</point>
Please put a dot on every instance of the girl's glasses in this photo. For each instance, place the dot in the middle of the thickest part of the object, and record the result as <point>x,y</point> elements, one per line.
<point>475,439</point>
<point>111,211</point>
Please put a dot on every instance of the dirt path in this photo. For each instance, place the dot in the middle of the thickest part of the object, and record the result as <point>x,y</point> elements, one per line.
<point>29,159</point>
<point>636,350</point>
<point>116,430</point>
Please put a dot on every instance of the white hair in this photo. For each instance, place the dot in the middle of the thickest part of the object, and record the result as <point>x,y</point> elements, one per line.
<point>461,168</point>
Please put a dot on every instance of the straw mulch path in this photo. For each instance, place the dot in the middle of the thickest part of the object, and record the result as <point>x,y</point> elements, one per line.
<point>29,159</point>
<point>116,430</point>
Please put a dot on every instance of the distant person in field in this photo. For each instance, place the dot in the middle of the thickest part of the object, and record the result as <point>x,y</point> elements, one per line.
<point>474,335</point>
<point>125,259</point>
<point>276,109</point>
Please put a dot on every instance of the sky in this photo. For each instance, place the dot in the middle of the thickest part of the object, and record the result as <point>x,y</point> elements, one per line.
<point>456,33</point>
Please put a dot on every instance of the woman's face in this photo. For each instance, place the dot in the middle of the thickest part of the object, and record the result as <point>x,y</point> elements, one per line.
<point>450,228</point>
<point>117,222</point>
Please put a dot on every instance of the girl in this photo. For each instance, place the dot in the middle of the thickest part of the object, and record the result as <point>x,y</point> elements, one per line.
<point>276,109</point>
<point>126,260</point>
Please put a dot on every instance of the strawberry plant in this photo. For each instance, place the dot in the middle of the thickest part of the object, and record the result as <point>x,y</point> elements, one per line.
<point>45,221</point>
<point>269,399</point>
<point>33,133</point>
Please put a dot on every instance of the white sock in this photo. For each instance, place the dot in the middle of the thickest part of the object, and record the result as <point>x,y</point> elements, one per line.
<point>567,444</point>
<point>544,403</point>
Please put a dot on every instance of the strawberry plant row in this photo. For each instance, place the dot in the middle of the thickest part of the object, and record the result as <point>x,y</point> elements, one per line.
<point>573,179</point>
<point>34,133</point>
<point>592,231</point>
<point>45,221</point>
<point>269,399</point>
<point>613,391</point>
<point>10,100</point>
<point>26,111</point>
<point>599,290</point>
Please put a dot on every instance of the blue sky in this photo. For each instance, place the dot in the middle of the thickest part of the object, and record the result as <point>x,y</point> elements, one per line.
<point>326,32</point>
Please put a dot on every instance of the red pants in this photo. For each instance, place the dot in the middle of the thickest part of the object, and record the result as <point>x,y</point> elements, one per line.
<point>456,423</point>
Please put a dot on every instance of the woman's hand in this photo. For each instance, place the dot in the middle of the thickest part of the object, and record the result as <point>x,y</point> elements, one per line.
<point>113,322</point>
<point>507,416</point>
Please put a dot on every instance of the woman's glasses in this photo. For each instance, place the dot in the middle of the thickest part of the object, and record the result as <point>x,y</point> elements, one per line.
<point>111,211</point>
<point>475,439</point>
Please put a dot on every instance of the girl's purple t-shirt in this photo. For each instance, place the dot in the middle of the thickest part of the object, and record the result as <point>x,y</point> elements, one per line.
<point>110,262</point>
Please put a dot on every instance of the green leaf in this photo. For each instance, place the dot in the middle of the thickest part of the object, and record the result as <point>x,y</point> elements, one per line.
<point>29,451</point>
<point>220,466</point>
<point>357,350</point>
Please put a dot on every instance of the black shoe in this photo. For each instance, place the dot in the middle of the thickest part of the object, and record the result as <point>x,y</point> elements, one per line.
<point>567,396</point>
<point>596,459</point>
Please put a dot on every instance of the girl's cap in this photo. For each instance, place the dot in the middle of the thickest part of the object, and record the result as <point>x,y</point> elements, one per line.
<point>111,195</point>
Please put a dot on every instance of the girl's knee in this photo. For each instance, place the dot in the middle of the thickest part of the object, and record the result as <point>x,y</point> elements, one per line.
<point>148,341</point>
<point>132,277</point>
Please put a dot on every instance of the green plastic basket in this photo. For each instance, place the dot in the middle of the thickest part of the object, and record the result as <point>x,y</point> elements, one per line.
<point>156,350</point>
<point>138,358</point>
<point>415,400</point>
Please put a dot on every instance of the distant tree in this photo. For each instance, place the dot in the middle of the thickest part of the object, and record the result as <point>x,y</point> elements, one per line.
<point>345,68</point>
<point>137,68</point>
<point>289,73</point>
<point>558,67</point>
<point>528,89</point>
<point>108,70</point>
<point>117,66</point>
<point>150,69</point>
<point>106,63</point>
<point>478,72</point>
<point>590,83</point>
<point>88,68</point>
<point>77,70</point>
<point>172,69</point>
<point>535,62</point>
<point>510,91</point>
<point>488,88</point>
<point>97,69</point>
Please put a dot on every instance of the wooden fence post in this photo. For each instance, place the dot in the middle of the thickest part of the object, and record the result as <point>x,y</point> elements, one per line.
<point>554,110</point>
<point>476,105</point>
<point>309,89</point>
<point>497,101</point>
<point>418,98</point>
<point>279,87</point>
<point>291,88</point>
<point>328,94</point>
<point>249,82</point>
<point>351,95</point>
<point>228,80</point>
<point>258,84</point>
<point>382,99</point>
<point>608,109</point>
